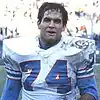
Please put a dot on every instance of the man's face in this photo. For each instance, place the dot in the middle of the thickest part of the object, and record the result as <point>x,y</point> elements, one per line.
<point>51,26</point>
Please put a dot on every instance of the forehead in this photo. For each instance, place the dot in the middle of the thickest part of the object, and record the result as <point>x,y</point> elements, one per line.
<point>53,13</point>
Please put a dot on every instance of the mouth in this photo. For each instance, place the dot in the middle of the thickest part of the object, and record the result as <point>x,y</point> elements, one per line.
<point>51,32</point>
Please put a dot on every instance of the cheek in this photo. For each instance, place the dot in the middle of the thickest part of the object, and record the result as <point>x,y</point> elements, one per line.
<point>42,28</point>
<point>59,29</point>
<point>43,32</point>
<point>43,25</point>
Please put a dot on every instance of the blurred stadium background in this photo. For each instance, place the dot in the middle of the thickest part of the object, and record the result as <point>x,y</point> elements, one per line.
<point>19,18</point>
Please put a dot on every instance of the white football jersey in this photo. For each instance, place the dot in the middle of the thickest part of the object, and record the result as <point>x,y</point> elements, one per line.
<point>48,74</point>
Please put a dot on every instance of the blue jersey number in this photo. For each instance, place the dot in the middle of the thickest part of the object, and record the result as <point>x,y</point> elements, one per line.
<point>57,77</point>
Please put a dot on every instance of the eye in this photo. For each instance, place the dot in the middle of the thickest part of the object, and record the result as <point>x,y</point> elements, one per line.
<point>47,20</point>
<point>57,21</point>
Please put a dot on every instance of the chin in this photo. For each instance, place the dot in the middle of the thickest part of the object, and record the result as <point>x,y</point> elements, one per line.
<point>51,38</point>
<point>52,41</point>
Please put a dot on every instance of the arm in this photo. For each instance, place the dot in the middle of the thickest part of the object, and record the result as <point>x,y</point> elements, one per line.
<point>87,87</point>
<point>87,83</point>
<point>87,97</point>
<point>85,73</point>
<point>11,90</point>
<point>13,83</point>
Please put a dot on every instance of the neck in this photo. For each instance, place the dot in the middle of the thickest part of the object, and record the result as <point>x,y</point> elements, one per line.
<point>46,45</point>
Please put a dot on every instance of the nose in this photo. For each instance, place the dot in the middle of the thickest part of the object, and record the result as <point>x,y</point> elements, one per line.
<point>52,24</point>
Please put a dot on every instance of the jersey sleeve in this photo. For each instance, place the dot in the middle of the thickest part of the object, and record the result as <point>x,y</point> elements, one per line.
<point>85,71</point>
<point>88,54</point>
<point>11,66</point>
<point>11,90</point>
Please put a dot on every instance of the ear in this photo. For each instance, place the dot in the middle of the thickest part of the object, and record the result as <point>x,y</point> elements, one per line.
<point>38,24</point>
<point>63,29</point>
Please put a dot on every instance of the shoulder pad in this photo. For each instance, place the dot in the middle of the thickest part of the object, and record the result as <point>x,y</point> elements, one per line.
<point>87,46</point>
<point>21,45</point>
<point>80,49</point>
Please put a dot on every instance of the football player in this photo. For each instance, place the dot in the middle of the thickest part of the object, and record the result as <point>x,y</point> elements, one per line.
<point>50,66</point>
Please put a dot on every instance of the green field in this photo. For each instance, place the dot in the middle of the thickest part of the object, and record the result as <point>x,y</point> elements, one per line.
<point>2,79</point>
<point>97,73</point>
<point>96,69</point>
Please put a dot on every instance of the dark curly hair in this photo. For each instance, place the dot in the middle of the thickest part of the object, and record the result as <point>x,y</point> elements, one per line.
<point>53,6</point>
